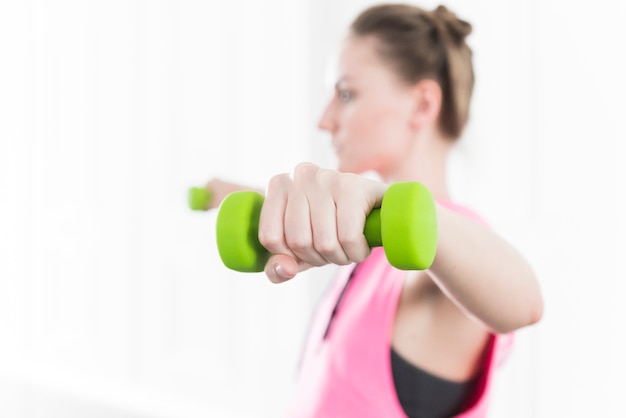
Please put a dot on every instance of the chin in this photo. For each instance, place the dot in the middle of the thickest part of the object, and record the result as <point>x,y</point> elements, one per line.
<point>347,168</point>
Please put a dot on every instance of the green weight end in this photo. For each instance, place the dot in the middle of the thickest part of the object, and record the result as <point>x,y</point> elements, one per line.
<point>237,232</point>
<point>409,226</point>
<point>199,198</point>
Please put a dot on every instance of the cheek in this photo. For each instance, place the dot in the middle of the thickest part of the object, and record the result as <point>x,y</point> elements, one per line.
<point>381,128</point>
<point>372,139</point>
<point>367,124</point>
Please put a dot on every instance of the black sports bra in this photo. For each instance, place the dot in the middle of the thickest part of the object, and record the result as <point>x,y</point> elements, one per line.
<point>423,395</point>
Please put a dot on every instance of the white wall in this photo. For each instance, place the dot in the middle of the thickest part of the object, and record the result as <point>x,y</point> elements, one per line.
<point>112,299</point>
<point>111,293</point>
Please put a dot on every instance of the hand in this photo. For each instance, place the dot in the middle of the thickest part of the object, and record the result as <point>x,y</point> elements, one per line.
<point>316,218</point>
<point>220,189</point>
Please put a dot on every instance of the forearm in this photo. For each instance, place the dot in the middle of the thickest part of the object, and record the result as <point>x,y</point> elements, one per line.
<point>219,189</point>
<point>484,275</point>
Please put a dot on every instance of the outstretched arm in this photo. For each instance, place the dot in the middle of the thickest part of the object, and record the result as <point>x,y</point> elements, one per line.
<point>484,275</point>
<point>317,217</point>
<point>219,189</point>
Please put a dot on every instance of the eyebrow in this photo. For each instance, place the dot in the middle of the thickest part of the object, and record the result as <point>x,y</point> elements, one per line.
<point>342,79</point>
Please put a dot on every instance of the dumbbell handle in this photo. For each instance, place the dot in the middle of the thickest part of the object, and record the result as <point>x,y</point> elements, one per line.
<point>372,229</point>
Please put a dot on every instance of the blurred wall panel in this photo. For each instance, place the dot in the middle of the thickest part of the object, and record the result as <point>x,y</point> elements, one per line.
<point>111,291</point>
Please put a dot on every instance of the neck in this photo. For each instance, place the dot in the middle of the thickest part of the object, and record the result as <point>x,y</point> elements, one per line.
<point>425,162</point>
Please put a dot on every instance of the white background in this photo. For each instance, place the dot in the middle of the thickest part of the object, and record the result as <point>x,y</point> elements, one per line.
<point>113,302</point>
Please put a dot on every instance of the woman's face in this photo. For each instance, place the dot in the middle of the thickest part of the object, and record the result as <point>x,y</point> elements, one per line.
<point>369,115</point>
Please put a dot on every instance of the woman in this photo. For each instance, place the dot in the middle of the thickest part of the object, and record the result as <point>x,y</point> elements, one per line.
<point>384,342</point>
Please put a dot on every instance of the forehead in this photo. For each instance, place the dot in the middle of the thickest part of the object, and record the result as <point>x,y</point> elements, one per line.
<point>359,58</point>
<point>361,47</point>
<point>357,51</point>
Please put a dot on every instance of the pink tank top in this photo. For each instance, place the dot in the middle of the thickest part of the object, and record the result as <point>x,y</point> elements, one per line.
<point>348,373</point>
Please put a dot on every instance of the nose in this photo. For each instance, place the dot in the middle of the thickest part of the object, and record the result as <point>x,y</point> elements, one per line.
<point>327,121</point>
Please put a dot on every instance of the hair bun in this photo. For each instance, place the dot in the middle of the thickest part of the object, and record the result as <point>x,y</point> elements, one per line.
<point>457,28</point>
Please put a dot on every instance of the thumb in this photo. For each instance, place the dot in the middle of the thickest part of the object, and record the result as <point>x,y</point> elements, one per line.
<point>280,268</point>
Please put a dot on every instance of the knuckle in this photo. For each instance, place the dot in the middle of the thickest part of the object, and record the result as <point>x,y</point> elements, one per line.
<point>278,181</point>
<point>299,243</point>
<point>269,239</point>
<point>349,238</point>
<point>304,171</point>
<point>327,247</point>
<point>355,246</point>
<point>361,256</point>
<point>325,176</point>
<point>342,184</point>
<point>348,181</point>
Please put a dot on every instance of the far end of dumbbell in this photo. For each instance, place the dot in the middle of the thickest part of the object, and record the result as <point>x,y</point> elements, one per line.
<point>199,198</point>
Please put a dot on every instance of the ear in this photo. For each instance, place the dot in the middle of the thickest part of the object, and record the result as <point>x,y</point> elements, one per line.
<point>427,99</point>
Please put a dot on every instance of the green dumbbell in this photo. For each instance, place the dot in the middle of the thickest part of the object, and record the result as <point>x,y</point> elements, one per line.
<point>199,198</point>
<point>405,226</point>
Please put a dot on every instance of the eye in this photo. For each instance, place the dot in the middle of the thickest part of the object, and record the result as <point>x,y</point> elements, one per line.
<point>344,95</point>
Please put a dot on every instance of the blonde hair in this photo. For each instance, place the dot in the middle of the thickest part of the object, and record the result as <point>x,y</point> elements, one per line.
<point>421,44</point>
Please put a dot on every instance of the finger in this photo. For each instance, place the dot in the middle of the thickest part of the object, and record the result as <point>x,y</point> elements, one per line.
<point>281,268</point>
<point>271,222</point>
<point>298,229</point>
<point>352,213</point>
<point>324,228</point>
<point>350,223</point>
